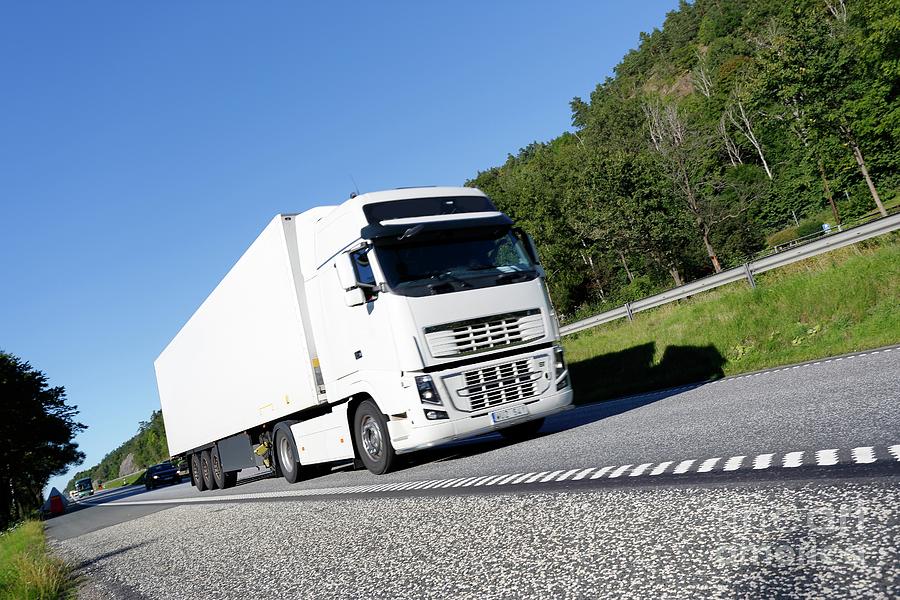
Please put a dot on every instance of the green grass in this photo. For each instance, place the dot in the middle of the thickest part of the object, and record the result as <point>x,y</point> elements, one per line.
<point>844,301</point>
<point>123,481</point>
<point>27,570</point>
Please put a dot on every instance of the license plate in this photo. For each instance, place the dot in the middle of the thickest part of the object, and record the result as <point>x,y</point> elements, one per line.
<point>506,414</point>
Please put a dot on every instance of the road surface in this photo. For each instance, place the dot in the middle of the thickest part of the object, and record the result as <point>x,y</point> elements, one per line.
<point>780,483</point>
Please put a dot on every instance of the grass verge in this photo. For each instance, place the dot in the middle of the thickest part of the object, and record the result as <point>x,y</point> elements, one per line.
<point>27,570</point>
<point>844,301</point>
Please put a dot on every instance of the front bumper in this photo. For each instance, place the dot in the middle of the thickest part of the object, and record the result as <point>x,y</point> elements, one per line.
<point>407,438</point>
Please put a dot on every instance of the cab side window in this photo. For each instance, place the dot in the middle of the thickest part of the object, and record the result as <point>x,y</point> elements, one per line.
<point>363,269</point>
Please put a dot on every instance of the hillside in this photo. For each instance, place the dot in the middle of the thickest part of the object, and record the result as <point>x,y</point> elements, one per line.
<point>147,447</point>
<point>734,121</point>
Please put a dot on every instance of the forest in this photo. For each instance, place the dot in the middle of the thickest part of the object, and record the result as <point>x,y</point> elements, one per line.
<point>738,125</point>
<point>147,447</point>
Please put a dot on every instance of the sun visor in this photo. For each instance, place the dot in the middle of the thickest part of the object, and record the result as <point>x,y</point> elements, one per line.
<point>395,228</point>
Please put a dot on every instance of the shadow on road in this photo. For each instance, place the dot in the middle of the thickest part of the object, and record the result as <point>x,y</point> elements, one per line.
<point>633,371</point>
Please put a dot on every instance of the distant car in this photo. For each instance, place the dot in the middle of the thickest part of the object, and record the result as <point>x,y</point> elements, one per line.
<point>161,474</point>
<point>184,468</point>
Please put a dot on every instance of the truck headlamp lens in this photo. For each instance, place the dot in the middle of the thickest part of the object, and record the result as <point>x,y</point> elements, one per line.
<point>560,366</point>
<point>427,392</point>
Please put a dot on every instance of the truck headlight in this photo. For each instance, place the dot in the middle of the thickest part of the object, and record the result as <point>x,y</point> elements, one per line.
<point>559,364</point>
<point>427,392</point>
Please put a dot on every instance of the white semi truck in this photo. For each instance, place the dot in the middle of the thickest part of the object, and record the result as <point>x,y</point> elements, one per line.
<point>393,322</point>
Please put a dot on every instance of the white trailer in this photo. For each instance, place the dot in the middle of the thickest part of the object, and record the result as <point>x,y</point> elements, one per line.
<point>396,321</point>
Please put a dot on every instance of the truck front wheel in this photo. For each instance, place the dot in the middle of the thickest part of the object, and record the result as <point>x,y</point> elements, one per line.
<point>197,472</point>
<point>372,440</point>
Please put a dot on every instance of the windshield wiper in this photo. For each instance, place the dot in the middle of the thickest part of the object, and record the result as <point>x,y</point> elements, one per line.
<point>448,275</point>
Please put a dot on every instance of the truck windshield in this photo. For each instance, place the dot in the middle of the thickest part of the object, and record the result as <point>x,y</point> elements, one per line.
<point>82,485</point>
<point>455,260</point>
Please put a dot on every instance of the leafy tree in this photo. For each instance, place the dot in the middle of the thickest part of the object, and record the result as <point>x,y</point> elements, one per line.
<point>37,428</point>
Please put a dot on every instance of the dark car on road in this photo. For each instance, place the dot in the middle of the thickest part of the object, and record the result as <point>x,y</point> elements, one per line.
<point>160,474</point>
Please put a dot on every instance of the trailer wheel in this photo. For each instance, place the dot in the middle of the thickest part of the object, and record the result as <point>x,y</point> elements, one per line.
<point>197,472</point>
<point>215,463</point>
<point>286,454</point>
<point>522,431</point>
<point>206,470</point>
<point>372,439</point>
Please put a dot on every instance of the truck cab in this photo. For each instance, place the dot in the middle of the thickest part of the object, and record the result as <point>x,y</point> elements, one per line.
<point>434,305</point>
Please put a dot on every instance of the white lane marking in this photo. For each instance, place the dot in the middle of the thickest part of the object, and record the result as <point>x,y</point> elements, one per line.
<point>661,468</point>
<point>522,478</point>
<point>895,451</point>
<point>551,476</point>
<point>492,480</point>
<point>763,461</point>
<point>601,472</point>
<point>639,470</point>
<point>583,473</point>
<point>508,478</point>
<point>683,466</point>
<point>792,459</point>
<point>450,482</point>
<point>567,474</point>
<point>708,465</point>
<point>435,483</point>
<point>535,477</point>
<point>733,463</point>
<point>463,482</point>
<point>826,457</point>
<point>618,472</point>
<point>476,480</point>
<point>863,454</point>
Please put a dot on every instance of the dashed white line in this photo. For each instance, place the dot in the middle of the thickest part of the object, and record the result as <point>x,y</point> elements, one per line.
<point>567,474</point>
<point>582,474</point>
<point>895,451</point>
<point>551,476</point>
<point>733,463</point>
<point>863,454</point>
<point>599,473</point>
<point>536,477</point>
<point>639,470</point>
<point>763,461</point>
<point>708,465</point>
<point>683,466</point>
<point>618,472</point>
<point>826,457</point>
<point>792,460</point>
<point>661,468</point>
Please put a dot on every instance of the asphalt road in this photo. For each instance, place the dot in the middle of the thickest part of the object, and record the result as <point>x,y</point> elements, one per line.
<point>775,484</point>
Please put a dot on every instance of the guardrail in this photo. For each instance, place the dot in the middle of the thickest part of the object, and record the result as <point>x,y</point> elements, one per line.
<point>746,271</point>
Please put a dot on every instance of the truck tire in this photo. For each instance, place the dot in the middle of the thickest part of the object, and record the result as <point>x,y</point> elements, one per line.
<point>230,479</point>
<point>286,454</point>
<point>197,473</point>
<point>522,431</point>
<point>373,441</point>
<point>215,466</point>
<point>206,470</point>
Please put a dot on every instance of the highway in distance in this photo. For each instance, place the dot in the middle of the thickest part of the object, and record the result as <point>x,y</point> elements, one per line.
<point>778,483</point>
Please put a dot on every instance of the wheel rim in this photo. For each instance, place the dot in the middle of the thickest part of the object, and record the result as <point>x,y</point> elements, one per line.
<point>285,456</point>
<point>204,468</point>
<point>217,468</point>
<point>372,440</point>
<point>196,472</point>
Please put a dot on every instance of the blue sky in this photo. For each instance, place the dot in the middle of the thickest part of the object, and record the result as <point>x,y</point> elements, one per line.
<point>144,146</point>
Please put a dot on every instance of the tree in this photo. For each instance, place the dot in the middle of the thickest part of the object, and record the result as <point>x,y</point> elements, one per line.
<point>37,428</point>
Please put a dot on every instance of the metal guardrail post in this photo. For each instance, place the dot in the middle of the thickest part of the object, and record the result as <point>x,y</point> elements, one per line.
<point>749,274</point>
<point>628,311</point>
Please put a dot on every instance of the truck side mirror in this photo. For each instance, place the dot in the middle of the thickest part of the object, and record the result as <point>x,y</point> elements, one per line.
<point>530,246</point>
<point>345,272</point>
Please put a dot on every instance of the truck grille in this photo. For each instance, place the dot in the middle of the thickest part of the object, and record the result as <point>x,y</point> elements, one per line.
<point>498,384</point>
<point>481,335</point>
